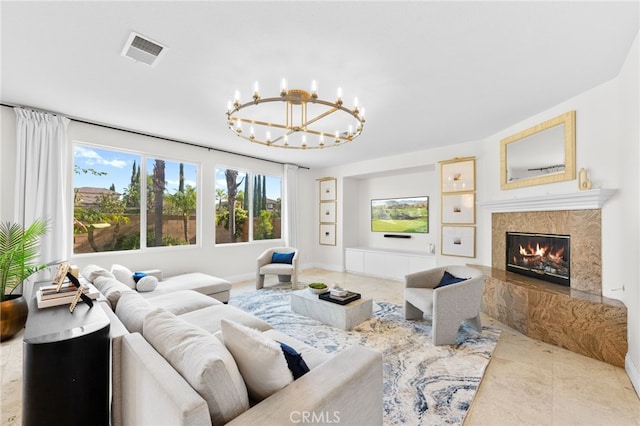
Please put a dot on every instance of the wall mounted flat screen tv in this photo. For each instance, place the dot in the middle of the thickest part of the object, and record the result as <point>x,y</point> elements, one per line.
<point>403,215</point>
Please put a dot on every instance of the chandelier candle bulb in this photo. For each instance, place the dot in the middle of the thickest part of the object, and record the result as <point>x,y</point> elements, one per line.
<point>339,100</point>
<point>283,87</point>
<point>256,91</point>
<point>314,89</point>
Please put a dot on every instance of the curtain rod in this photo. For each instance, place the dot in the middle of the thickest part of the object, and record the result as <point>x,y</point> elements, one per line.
<point>136,132</point>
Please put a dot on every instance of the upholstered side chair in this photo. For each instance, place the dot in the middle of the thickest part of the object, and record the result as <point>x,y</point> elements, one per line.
<point>283,264</point>
<point>449,305</point>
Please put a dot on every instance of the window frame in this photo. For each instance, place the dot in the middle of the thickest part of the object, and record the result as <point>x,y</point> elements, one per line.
<point>144,157</point>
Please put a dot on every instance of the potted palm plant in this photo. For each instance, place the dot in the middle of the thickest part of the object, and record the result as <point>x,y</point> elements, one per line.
<point>19,248</point>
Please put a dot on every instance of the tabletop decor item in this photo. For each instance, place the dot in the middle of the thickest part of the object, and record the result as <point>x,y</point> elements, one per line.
<point>318,288</point>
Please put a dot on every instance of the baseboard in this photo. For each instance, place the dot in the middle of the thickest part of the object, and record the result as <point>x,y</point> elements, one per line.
<point>633,373</point>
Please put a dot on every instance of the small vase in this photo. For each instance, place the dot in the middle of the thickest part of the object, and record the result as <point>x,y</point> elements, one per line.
<point>13,315</point>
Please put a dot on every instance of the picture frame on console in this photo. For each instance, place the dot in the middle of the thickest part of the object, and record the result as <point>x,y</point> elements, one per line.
<point>458,208</point>
<point>459,241</point>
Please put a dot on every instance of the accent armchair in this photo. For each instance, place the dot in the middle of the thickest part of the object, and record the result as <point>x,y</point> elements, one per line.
<point>282,265</point>
<point>449,305</point>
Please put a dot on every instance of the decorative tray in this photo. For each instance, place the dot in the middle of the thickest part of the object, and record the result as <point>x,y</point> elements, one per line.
<point>350,297</point>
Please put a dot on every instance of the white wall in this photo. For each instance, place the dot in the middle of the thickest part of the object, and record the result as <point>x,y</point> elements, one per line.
<point>629,92</point>
<point>607,140</point>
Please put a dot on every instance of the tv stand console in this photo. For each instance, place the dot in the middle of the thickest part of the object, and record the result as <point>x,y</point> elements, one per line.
<point>393,264</point>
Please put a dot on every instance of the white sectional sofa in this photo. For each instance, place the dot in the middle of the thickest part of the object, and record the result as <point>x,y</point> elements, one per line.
<point>171,365</point>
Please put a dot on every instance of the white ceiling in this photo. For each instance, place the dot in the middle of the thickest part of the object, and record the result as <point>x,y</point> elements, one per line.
<point>428,73</point>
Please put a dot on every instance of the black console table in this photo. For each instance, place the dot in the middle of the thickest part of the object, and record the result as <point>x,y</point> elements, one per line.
<point>66,365</point>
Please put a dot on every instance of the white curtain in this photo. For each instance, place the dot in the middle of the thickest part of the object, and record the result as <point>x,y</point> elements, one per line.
<point>42,179</point>
<point>290,228</point>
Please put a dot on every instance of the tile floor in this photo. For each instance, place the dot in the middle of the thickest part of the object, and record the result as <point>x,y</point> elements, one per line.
<point>527,382</point>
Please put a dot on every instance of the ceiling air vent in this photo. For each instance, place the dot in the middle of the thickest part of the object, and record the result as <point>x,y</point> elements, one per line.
<point>142,49</point>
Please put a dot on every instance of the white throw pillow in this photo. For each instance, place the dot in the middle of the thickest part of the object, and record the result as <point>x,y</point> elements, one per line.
<point>259,358</point>
<point>91,272</point>
<point>202,360</point>
<point>124,275</point>
<point>148,283</point>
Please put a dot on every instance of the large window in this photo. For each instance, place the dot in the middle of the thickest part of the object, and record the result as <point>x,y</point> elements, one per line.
<point>171,203</point>
<point>253,201</point>
<point>111,206</point>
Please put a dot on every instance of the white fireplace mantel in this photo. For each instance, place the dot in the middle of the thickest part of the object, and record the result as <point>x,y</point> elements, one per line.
<point>580,200</point>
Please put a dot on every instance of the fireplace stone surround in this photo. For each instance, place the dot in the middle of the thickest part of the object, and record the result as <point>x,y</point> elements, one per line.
<point>576,318</point>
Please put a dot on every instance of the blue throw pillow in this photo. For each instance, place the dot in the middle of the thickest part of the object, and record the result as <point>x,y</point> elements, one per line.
<point>282,258</point>
<point>294,361</point>
<point>448,279</point>
<point>138,275</point>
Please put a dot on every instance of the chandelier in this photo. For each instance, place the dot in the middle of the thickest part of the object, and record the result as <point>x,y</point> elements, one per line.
<point>307,122</point>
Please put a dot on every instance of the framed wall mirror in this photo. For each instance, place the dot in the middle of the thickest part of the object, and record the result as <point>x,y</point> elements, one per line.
<point>542,154</point>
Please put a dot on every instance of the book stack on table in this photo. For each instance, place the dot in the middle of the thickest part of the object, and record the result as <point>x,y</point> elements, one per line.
<point>340,296</point>
<point>48,295</point>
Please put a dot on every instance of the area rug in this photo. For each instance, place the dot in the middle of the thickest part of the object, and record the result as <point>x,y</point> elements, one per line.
<point>423,384</point>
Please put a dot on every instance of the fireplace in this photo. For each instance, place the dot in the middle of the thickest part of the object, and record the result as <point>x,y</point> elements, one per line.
<point>542,256</point>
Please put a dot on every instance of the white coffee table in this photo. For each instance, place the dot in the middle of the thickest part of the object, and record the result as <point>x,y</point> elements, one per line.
<point>345,317</point>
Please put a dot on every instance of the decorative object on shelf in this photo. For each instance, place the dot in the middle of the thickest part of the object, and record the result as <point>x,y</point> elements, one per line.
<point>328,234</point>
<point>458,175</point>
<point>459,208</point>
<point>459,241</point>
<point>544,153</point>
<point>583,180</point>
<point>317,288</point>
<point>309,122</point>
<point>328,212</point>
<point>19,248</point>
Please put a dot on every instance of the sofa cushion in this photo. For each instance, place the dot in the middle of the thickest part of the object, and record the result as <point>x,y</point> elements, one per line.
<point>111,288</point>
<point>259,358</point>
<point>211,317</point>
<point>148,283</point>
<point>202,360</point>
<point>124,275</point>
<point>132,309</point>
<point>91,272</point>
<point>180,302</point>
<point>276,269</point>
<point>202,283</point>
